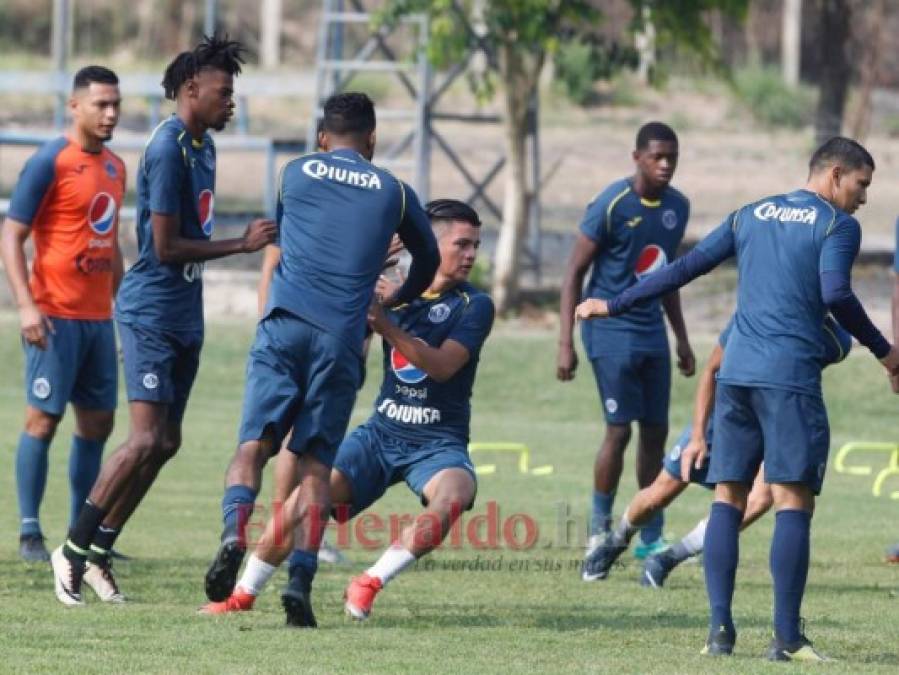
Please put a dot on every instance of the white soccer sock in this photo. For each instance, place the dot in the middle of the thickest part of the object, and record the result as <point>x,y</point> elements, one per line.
<point>393,561</point>
<point>692,541</point>
<point>625,530</point>
<point>256,575</point>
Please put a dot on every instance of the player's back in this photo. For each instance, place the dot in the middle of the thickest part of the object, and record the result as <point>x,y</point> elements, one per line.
<point>776,339</point>
<point>337,213</point>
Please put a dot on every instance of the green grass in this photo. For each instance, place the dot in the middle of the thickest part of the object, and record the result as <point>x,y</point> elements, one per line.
<point>539,619</point>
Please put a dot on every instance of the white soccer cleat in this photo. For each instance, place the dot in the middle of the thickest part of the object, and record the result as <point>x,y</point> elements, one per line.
<point>103,583</point>
<point>67,579</point>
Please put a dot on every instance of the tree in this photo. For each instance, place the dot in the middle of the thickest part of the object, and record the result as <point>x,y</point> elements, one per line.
<point>833,75</point>
<point>520,34</point>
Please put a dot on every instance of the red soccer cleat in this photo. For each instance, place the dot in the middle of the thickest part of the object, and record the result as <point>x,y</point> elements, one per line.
<point>360,595</point>
<point>238,601</point>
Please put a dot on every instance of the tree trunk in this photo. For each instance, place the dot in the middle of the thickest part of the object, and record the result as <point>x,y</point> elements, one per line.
<point>791,41</point>
<point>871,63</point>
<point>270,33</point>
<point>834,73</point>
<point>520,74</point>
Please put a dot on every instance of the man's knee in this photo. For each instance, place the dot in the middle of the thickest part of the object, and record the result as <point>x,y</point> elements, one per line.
<point>95,425</point>
<point>40,424</point>
<point>149,446</point>
<point>452,492</point>
<point>734,494</point>
<point>617,436</point>
<point>796,496</point>
<point>252,455</point>
<point>652,436</point>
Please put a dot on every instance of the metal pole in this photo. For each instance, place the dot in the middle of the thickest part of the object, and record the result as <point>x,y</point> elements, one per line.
<point>423,117</point>
<point>59,38</point>
<point>210,17</point>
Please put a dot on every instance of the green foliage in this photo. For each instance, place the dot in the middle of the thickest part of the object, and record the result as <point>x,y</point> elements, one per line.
<point>581,62</point>
<point>772,101</point>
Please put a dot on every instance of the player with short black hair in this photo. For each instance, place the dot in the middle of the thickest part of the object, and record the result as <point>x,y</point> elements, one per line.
<point>68,198</point>
<point>159,307</point>
<point>633,227</point>
<point>337,213</point>
<point>419,429</point>
<point>794,255</point>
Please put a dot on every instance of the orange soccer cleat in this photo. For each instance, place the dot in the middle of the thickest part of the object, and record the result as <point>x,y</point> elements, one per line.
<point>360,595</point>
<point>238,601</point>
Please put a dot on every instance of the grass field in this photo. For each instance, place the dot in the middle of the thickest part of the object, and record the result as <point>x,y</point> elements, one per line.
<point>528,612</point>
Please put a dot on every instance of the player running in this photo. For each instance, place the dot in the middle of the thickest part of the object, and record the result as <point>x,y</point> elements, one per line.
<point>794,255</point>
<point>419,429</point>
<point>337,213</point>
<point>68,196</point>
<point>688,462</point>
<point>632,228</point>
<point>159,308</point>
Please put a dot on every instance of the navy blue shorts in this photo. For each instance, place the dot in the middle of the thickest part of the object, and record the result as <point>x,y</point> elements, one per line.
<point>160,365</point>
<point>300,379</point>
<point>78,365</point>
<point>634,386</point>
<point>672,462</point>
<point>372,460</point>
<point>785,429</point>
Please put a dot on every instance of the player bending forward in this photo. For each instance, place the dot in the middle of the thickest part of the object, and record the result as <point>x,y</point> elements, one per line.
<point>688,462</point>
<point>420,426</point>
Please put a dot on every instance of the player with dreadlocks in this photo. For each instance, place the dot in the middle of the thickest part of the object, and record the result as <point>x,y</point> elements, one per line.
<point>159,307</point>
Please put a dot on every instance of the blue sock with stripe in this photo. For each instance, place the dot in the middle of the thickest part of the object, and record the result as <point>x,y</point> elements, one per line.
<point>601,518</point>
<point>84,466</point>
<point>789,569</point>
<point>304,563</point>
<point>720,557</point>
<point>652,531</point>
<point>31,480</point>
<point>237,507</point>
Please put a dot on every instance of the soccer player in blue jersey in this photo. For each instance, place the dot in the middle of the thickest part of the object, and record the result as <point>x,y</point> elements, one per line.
<point>794,255</point>
<point>688,462</point>
<point>337,213</point>
<point>159,307</point>
<point>67,200</point>
<point>419,429</point>
<point>633,227</point>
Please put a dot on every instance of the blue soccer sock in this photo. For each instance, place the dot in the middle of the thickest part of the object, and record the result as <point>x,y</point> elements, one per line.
<point>652,531</point>
<point>84,466</point>
<point>721,554</point>
<point>31,479</point>
<point>789,568</point>
<point>304,563</point>
<point>601,518</point>
<point>237,507</point>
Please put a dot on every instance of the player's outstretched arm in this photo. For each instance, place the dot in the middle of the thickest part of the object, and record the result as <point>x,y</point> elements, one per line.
<point>717,247</point>
<point>697,450</point>
<point>440,363</point>
<point>172,248</point>
<point>34,325</point>
<point>582,255</point>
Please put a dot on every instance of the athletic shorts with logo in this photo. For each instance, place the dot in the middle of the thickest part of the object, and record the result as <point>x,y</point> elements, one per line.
<point>300,379</point>
<point>160,365</point>
<point>672,461</point>
<point>787,430</point>
<point>373,460</point>
<point>634,386</point>
<point>78,365</point>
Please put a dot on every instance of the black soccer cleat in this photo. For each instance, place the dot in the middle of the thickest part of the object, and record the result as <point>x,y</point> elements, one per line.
<point>222,574</point>
<point>656,569</point>
<point>32,548</point>
<point>801,650</point>
<point>599,561</point>
<point>297,604</point>
<point>720,642</point>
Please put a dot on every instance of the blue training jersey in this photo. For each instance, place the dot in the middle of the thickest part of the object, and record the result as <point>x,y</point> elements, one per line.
<point>176,177</point>
<point>635,237</point>
<point>411,404</point>
<point>835,342</point>
<point>336,215</point>
<point>779,243</point>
